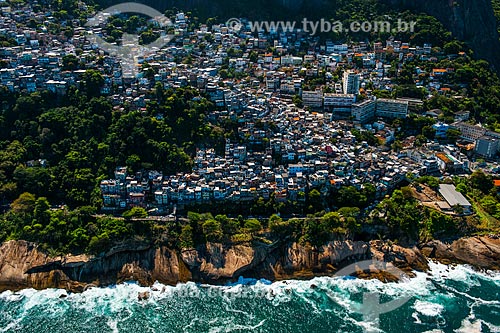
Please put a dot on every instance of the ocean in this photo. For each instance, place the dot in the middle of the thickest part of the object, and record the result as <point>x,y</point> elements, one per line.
<point>445,299</point>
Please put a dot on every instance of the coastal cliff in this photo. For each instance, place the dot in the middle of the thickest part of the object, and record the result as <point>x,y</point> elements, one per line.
<point>480,252</point>
<point>24,265</point>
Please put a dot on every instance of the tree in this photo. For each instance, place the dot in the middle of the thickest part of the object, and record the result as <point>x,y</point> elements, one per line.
<point>186,237</point>
<point>229,226</point>
<point>462,188</point>
<point>253,57</point>
<point>314,200</point>
<point>350,196</point>
<point>489,204</point>
<point>431,181</point>
<point>407,192</point>
<point>297,101</point>
<point>99,244</point>
<point>41,212</point>
<point>135,212</point>
<point>92,82</point>
<point>481,181</point>
<point>70,62</point>
<point>274,221</point>
<point>438,223</point>
<point>429,132</point>
<point>369,191</point>
<point>331,221</point>
<point>212,230</point>
<point>349,212</point>
<point>253,226</point>
<point>78,239</point>
<point>352,224</point>
<point>397,146</point>
<point>133,162</point>
<point>420,140</point>
<point>25,204</point>
<point>453,134</point>
<point>453,47</point>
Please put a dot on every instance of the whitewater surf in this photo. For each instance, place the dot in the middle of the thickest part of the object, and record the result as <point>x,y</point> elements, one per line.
<point>445,299</point>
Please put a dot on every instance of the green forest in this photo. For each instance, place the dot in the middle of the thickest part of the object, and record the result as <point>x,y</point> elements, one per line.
<point>81,138</point>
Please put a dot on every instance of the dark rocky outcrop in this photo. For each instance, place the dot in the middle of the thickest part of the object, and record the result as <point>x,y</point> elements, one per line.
<point>481,252</point>
<point>472,21</point>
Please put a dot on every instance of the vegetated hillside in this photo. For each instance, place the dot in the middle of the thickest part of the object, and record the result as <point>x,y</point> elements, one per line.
<point>496,11</point>
<point>472,21</point>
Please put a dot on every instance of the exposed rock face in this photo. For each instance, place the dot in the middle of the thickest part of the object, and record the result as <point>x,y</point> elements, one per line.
<point>482,252</point>
<point>471,21</point>
<point>300,261</point>
<point>24,265</point>
<point>216,261</point>
<point>404,258</point>
<point>17,260</point>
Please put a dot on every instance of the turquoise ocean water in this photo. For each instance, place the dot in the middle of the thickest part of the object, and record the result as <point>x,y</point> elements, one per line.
<point>447,299</point>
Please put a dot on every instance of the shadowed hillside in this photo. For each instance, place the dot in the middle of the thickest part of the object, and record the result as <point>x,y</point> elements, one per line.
<point>472,21</point>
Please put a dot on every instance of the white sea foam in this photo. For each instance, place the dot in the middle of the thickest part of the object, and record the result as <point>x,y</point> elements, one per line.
<point>429,294</point>
<point>427,308</point>
<point>9,296</point>
<point>122,294</point>
<point>468,326</point>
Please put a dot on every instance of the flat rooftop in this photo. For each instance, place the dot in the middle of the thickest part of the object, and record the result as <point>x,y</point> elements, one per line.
<point>451,195</point>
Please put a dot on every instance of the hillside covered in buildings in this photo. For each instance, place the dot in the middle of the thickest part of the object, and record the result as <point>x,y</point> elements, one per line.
<point>230,137</point>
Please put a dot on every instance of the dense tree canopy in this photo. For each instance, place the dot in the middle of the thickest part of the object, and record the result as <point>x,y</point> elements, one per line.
<point>59,147</point>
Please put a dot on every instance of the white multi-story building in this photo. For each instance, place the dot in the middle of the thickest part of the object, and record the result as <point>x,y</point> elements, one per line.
<point>313,99</point>
<point>339,103</point>
<point>469,132</point>
<point>351,83</point>
<point>340,48</point>
<point>391,108</point>
<point>364,111</point>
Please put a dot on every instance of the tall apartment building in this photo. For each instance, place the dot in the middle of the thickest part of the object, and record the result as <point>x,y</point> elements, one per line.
<point>469,132</point>
<point>351,82</point>
<point>487,146</point>
<point>339,103</point>
<point>364,111</point>
<point>313,99</point>
<point>391,108</point>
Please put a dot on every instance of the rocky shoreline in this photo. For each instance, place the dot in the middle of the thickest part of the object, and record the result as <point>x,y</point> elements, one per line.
<point>24,265</point>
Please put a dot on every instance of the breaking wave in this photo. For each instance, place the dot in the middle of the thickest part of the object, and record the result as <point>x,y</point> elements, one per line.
<point>446,299</point>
